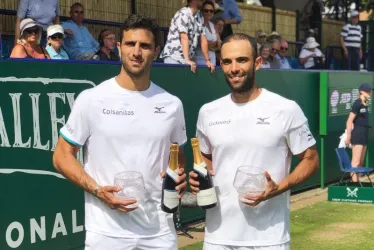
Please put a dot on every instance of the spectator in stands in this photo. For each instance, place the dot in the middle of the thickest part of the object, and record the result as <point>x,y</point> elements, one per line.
<point>79,43</point>
<point>43,12</point>
<point>29,45</point>
<point>260,39</point>
<point>310,33</point>
<point>55,36</point>
<point>350,40</point>
<point>274,36</point>
<point>313,13</point>
<point>107,41</point>
<point>219,23</point>
<point>311,57</point>
<point>185,32</point>
<point>231,15</point>
<point>214,42</point>
<point>265,53</point>
<point>273,58</point>
<point>281,56</point>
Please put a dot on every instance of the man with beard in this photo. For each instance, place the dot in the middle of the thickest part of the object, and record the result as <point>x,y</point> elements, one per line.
<point>112,121</point>
<point>252,126</point>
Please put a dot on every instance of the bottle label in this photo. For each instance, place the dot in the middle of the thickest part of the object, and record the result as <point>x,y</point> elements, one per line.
<point>201,168</point>
<point>171,198</point>
<point>172,174</point>
<point>206,197</point>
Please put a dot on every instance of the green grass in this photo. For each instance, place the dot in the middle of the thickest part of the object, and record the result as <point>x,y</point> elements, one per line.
<point>329,226</point>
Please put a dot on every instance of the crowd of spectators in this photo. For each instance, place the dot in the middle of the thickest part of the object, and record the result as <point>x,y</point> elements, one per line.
<point>195,37</point>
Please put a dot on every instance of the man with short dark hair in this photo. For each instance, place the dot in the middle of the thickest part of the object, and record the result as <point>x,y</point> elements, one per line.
<point>122,128</point>
<point>79,43</point>
<point>186,33</point>
<point>231,132</point>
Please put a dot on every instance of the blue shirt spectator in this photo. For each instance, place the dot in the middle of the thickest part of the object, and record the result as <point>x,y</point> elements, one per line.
<point>41,11</point>
<point>284,64</point>
<point>56,55</point>
<point>231,10</point>
<point>80,43</point>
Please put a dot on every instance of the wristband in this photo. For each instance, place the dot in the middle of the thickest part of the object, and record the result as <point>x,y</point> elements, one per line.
<point>94,192</point>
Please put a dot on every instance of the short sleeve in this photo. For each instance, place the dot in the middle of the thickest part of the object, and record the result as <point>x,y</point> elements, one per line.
<point>356,107</point>
<point>344,31</point>
<point>77,129</point>
<point>298,135</point>
<point>22,8</point>
<point>181,21</point>
<point>178,134</point>
<point>205,145</point>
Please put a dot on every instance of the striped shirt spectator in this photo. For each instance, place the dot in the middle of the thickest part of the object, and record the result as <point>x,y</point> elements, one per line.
<point>350,41</point>
<point>352,35</point>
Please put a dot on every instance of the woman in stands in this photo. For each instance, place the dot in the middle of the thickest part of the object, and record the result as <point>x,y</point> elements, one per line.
<point>55,34</point>
<point>214,43</point>
<point>265,53</point>
<point>358,127</point>
<point>311,57</point>
<point>29,45</point>
<point>43,12</point>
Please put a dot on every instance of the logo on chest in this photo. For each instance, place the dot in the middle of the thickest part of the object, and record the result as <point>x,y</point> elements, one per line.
<point>363,110</point>
<point>215,123</point>
<point>159,110</point>
<point>263,121</point>
<point>118,112</point>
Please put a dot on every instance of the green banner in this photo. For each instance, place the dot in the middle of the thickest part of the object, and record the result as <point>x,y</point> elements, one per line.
<point>354,194</point>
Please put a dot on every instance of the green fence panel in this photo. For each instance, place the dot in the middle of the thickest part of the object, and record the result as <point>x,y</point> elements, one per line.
<point>303,88</point>
<point>342,92</point>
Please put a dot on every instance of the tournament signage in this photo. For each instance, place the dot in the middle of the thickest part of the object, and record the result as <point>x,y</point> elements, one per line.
<point>354,194</point>
<point>39,209</point>
<point>342,99</point>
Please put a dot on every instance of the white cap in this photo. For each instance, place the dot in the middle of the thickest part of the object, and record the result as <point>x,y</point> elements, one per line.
<point>54,29</point>
<point>354,13</point>
<point>311,31</point>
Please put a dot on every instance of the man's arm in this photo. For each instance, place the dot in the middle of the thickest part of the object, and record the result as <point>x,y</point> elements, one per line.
<point>57,20</point>
<point>349,126</point>
<point>308,165</point>
<point>65,162</point>
<point>234,10</point>
<point>205,50</point>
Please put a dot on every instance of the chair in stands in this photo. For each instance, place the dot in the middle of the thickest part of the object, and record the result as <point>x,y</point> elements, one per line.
<point>346,167</point>
<point>294,62</point>
<point>7,43</point>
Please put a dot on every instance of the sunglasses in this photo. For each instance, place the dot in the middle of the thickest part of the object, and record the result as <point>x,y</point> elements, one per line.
<point>283,48</point>
<point>79,11</point>
<point>57,36</point>
<point>274,50</point>
<point>32,31</point>
<point>262,36</point>
<point>208,11</point>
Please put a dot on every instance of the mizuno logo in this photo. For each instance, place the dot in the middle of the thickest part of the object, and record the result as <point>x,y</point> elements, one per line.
<point>263,121</point>
<point>159,110</point>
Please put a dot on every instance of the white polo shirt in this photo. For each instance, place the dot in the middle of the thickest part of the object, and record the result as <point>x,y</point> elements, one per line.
<point>126,130</point>
<point>262,133</point>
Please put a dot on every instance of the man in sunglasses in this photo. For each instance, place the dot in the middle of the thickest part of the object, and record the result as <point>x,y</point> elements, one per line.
<point>79,42</point>
<point>281,56</point>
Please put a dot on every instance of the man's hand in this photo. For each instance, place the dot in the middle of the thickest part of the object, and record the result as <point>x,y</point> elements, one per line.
<point>361,54</point>
<point>210,65</point>
<point>194,184</point>
<point>106,194</point>
<point>270,192</point>
<point>181,180</point>
<point>192,64</point>
<point>69,32</point>
<point>345,52</point>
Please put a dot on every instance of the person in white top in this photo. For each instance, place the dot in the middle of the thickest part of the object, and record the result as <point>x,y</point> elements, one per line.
<point>310,54</point>
<point>252,126</point>
<point>214,41</point>
<point>125,124</point>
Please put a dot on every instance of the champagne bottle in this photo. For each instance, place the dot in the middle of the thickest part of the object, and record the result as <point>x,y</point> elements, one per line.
<point>206,197</point>
<point>170,201</point>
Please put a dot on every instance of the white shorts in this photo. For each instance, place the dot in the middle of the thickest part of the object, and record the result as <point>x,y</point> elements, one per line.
<point>209,246</point>
<point>96,241</point>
